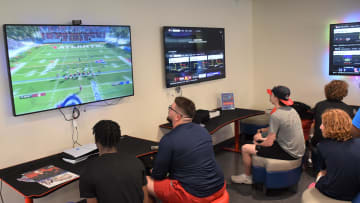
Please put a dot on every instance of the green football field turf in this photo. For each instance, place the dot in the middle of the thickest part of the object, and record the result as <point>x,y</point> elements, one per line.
<point>45,76</point>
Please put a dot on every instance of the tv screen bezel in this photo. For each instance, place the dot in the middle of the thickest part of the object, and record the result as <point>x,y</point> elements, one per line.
<point>331,43</point>
<point>165,59</point>
<point>57,108</point>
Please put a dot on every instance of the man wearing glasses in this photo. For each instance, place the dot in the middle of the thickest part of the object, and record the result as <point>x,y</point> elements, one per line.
<point>185,169</point>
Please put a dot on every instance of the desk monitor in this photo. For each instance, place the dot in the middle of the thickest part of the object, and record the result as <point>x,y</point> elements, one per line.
<point>55,66</point>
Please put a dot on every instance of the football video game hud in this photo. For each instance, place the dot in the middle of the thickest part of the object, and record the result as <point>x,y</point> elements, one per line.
<point>54,66</point>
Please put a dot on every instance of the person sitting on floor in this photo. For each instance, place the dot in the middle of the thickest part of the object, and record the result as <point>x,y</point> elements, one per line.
<point>283,139</point>
<point>185,169</point>
<point>113,176</point>
<point>339,177</point>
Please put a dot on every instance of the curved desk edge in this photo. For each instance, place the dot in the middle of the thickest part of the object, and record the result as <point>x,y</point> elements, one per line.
<point>234,120</point>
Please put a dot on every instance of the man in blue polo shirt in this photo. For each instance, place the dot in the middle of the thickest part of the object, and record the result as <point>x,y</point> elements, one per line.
<point>185,169</point>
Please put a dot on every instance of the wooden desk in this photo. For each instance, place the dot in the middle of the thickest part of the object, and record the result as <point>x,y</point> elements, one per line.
<point>227,117</point>
<point>137,147</point>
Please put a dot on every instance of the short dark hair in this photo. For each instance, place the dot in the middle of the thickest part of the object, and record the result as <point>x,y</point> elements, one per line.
<point>336,90</point>
<point>186,106</point>
<point>107,133</point>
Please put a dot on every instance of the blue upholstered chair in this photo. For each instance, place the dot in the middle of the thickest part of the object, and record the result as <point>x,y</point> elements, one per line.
<point>274,173</point>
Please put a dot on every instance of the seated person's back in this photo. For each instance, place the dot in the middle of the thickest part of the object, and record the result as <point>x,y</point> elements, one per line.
<point>341,157</point>
<point>286,123</point>
<point>185,169</point>
<point>113,176</point>
<point>189,147</point>
<point>335,91</point>
<point>342,160</point>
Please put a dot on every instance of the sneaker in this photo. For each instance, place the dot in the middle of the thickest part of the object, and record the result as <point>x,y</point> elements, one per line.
<point>243,178</point>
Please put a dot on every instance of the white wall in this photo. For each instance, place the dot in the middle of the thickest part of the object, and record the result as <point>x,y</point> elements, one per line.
<point>291,41</point>
<point>33,136</point>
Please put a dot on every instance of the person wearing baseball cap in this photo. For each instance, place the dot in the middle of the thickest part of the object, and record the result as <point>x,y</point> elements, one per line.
<point>283,139</point>
<point>282,93</point>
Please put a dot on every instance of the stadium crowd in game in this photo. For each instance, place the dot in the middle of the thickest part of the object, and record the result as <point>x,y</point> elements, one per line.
<point>54,34</point>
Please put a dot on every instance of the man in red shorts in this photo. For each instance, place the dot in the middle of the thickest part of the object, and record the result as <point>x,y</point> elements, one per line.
<point>185,169</point>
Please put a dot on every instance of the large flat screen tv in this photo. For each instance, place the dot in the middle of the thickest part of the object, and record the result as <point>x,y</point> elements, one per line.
<point>55,66</point>
<point>193,54</point>
<point>344,49</point>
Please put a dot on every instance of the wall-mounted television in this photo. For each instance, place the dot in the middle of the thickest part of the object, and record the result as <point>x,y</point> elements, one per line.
<point>56,66</point>
<point>193,54</point>
<point>344,49</point>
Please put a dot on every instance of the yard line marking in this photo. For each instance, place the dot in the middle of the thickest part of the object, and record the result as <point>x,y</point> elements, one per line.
<point>49,67</point>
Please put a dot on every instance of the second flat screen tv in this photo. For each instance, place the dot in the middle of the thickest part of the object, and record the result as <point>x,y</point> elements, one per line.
<point>193,54</point>
<point>55,66</point>
<point>344,49</point>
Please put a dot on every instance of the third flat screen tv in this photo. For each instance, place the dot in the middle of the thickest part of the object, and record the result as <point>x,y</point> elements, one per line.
<point>193,54</point>
<point>55,66</point>
<point>344,49</point>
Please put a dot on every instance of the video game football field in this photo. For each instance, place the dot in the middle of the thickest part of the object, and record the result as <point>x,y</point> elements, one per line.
<point>48,76</point>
